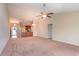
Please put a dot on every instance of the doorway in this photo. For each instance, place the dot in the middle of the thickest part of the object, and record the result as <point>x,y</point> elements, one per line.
<point>50,31</point>
<point>14,30</point>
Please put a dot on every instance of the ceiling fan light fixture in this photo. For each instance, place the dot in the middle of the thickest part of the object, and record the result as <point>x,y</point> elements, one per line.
<point>44,16</point>
<point>44,13</point>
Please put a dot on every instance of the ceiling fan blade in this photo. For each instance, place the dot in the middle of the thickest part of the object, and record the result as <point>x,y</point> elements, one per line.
<point>50,13</point>
<point>49,16</point>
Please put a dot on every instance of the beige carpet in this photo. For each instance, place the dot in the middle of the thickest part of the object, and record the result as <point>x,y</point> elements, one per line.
<point>37,46</point>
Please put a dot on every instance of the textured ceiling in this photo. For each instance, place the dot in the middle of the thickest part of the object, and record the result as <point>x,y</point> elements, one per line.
<point>29,11</point>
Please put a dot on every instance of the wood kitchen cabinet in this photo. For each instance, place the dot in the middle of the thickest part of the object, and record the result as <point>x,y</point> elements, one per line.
<point>26,34</point>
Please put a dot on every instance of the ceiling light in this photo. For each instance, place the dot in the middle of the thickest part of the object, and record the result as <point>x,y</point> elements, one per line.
<point>44,16</point>
<point>44,13</point>
<point>14,21</point>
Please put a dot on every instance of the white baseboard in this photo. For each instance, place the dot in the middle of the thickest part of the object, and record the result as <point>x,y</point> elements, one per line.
<point>43,35</point>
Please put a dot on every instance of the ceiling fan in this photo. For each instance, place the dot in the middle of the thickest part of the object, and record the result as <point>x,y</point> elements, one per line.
<point>44,14</point>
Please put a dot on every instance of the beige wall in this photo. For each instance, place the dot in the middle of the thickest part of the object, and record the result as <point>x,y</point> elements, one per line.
<point>4,30</point>
<point>34,27</point>
<point>42,27</point>
<point>66,27</point>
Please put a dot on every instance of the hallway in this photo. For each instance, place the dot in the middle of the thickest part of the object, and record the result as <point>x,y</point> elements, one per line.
<point>38,46</point>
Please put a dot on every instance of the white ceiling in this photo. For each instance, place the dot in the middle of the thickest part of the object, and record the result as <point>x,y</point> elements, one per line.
<point>30,10</point>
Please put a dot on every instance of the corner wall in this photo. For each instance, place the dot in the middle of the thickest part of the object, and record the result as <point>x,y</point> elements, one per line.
<point>4,28</point>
